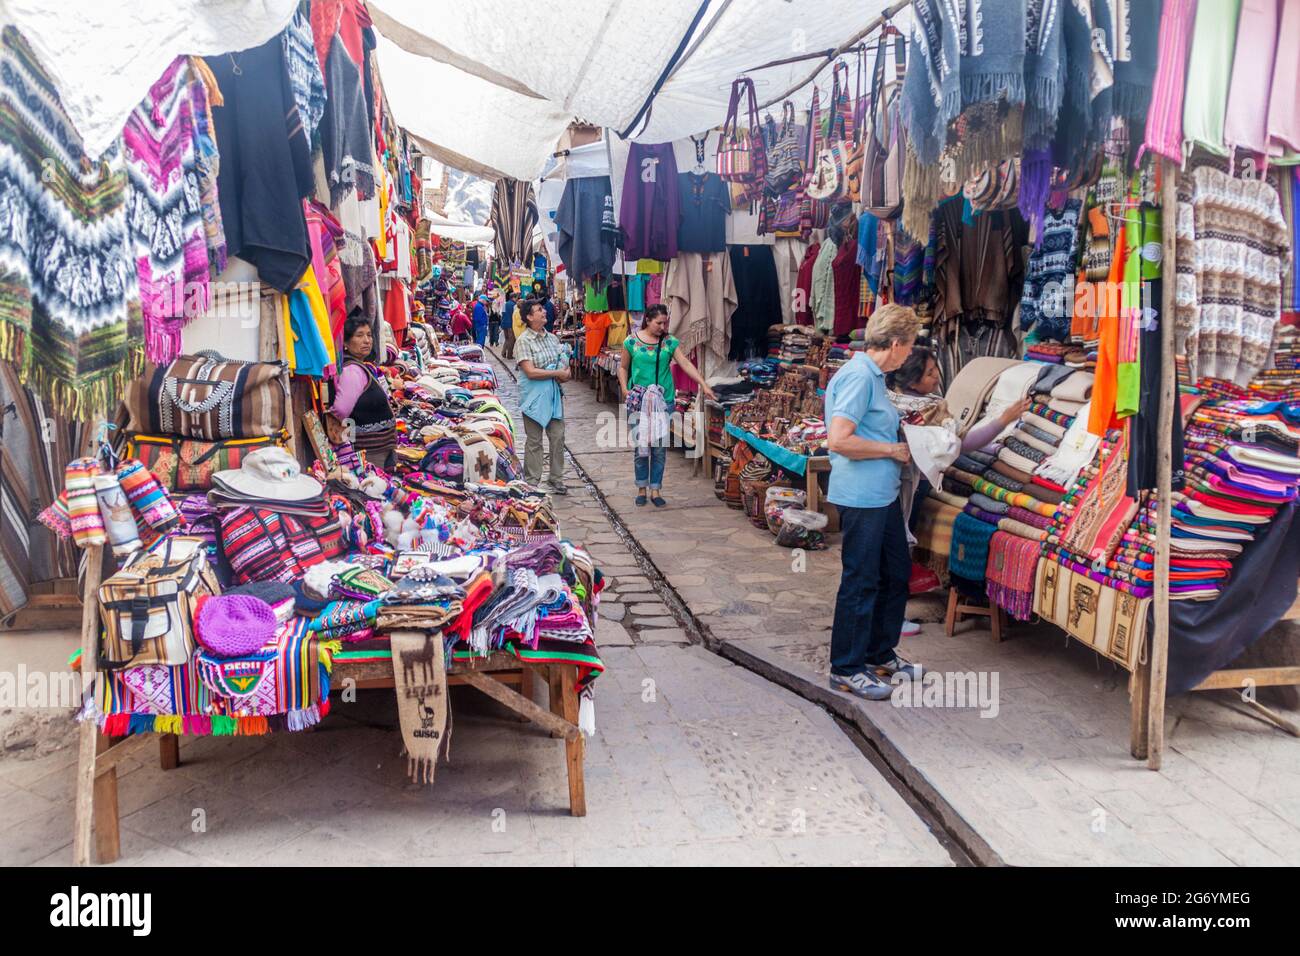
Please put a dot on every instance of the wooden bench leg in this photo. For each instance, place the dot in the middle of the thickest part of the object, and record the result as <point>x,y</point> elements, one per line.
<point>574,749</point>
<point>997,621</point>
<point>950,618</point>
<point>169,751</point>
<point>108,836</point>
<point>525,688</point>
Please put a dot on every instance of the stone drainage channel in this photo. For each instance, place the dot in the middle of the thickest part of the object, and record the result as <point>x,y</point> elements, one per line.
<point>963,844</point>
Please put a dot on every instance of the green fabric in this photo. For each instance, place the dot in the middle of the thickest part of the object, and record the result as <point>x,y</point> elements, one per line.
<point>596,301</point>
<point>823,287</point>
<point>1209,74</point>
<point>643,366</point>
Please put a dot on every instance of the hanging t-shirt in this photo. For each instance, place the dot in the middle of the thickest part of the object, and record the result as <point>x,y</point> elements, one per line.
<point>618,323</point>
<point>636,292</point>
<point>595,300</point>
<point>614,294</point>
<point>705,202</point>
<point>596,324</point>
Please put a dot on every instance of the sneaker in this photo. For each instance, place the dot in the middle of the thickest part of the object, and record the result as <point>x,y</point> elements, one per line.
<point>640,500</point>
<point>897,665</point>
<point>557,488</point>
<point>867,684</point>
<point>910,629</point>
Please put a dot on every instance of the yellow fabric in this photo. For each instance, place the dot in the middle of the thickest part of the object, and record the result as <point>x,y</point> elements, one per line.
<point>649,266</point>
<point>617,330</point>
<point>381,240</point>
<point>286,334</point>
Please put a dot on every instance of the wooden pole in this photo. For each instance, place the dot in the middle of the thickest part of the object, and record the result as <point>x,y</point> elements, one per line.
<point>1159,654</point>
<point>88,730</point>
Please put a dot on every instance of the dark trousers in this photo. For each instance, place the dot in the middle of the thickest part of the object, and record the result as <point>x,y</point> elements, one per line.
<point>872,600</point>
<point>494,332</point>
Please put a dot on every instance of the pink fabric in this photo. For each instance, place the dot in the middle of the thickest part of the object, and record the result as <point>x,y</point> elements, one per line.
<point>1284,98</point>
<point>654,290</point>
<point>352,381</point>
<point>1246,123</point>
<point>1164,133</point>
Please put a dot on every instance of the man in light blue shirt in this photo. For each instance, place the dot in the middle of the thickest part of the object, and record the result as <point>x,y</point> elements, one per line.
<point>866,456</point>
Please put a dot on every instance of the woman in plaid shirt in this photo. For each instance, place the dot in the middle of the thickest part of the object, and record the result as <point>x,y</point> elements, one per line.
<point>544,360</point>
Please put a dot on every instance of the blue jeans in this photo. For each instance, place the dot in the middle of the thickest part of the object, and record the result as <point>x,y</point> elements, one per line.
<point>872,600</point>
<point>650,470</point>
<point>480,334</point>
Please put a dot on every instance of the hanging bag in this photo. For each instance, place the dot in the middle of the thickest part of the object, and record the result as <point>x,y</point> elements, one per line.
<point>885,149</point>
<point>815,214</point>
<point>738,160</point>
<point>828,180</point>
<point>785,165</point>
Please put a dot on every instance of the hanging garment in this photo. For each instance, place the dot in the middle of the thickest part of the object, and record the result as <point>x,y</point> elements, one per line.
<point>1049,275</point>
<point>823,287</point>
<point>1137,33</point>
<point>70,309</point>
<point>1232,245</point>
<point>205,94</point>
<point>345,129</point>
<point>1164,129</point>
<point>514,214</point>
<point>758,300</point>
<point>1144,431</point>
<point>1209,75</point>
<point>1245,126</point>
<point>804,285</point>
<point>1284,94</point>
<point>704,203</point>
<point>306,73</point>
<point>588,234</point>
<point>788,255</point>
<point>700,292</point>
<point>846,275</point>
<point>164,211</point>
<point>265,164</point>
<point>648,215</point>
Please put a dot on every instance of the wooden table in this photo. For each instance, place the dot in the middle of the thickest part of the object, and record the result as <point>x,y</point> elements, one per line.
<point>820,465</point>
<point>494,676</point>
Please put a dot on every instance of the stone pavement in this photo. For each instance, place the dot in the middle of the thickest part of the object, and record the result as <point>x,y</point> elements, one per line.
<point>695,761</point>
<point>1048,778</point>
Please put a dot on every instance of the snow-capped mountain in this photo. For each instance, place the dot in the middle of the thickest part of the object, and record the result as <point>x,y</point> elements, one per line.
<point>469,198</point>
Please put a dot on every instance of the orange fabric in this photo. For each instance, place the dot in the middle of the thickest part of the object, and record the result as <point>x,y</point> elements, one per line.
<point>597,325</point>
<point>1109,305</point>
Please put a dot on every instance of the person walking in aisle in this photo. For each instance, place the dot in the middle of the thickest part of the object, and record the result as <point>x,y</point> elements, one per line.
<point>508,325</point>
<point>645,378</point>
<point>544,360</point>
<point>494,318</point>
<point>481,319</point>
<point>866,466</point>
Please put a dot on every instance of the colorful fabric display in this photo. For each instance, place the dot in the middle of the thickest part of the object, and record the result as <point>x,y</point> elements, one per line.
<point>147,496</point>
<point>115,511</point>
<point>83,507</point>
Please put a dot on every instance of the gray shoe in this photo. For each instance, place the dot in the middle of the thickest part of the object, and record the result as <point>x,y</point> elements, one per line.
<point>558,488</point>
<point>865,683</point>
<point>898,665</point>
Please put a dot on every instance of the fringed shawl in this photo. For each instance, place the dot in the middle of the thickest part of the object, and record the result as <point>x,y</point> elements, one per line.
<point>1012,569</point>
<point>69,296</point>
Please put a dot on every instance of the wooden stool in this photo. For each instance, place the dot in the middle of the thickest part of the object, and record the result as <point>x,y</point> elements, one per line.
<point>957,610</point>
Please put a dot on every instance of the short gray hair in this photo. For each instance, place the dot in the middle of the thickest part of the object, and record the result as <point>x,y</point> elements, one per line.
<point>892,323</point>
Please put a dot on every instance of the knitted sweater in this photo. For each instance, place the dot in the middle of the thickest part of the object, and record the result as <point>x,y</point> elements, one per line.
<point>1232,246</point>
<point>69,298</point>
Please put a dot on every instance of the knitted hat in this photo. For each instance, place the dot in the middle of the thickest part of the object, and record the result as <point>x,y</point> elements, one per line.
<point>278,596</point>
<point>233,625</point>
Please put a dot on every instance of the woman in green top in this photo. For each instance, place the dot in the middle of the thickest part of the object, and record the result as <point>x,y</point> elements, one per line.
<point>648,356</point>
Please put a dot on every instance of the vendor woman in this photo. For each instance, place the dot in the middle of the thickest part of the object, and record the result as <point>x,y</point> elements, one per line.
<point>867,458</point>
<point>360,395</point>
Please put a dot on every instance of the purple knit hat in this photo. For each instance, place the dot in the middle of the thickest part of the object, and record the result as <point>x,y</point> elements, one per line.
<point>234,625</point>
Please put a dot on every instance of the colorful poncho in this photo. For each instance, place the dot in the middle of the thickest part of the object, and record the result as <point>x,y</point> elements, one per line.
<point>69,298</point>
<point>165,214</point>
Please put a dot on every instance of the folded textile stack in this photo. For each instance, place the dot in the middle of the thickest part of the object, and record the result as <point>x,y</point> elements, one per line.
<point>794,343</point>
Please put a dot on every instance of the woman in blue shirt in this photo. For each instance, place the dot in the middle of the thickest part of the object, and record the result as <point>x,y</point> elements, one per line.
<point>866,459</point>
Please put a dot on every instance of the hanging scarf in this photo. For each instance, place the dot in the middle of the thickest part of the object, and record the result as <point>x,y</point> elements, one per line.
<point>1044,69</point>
<point>1012,570</point>
<point>1137,32</point>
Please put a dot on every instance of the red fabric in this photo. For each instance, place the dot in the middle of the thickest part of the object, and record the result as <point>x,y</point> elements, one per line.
<point>354,20</point>
<point>1048,484</point>
<point>803,302</point>
<point>597,326</point>
<point>477,593</point>
<point>460,323</point>
<point>324,24</point>
<point>397,309</point>
<point>847,275</point>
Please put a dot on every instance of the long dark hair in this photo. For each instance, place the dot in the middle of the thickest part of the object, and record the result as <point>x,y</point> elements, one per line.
<point>653,312</point>
<point>906,376</point>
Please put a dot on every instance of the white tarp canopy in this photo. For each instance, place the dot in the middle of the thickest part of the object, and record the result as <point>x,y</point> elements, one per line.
<point>103,55</point>
<point>459,231</point>
<point>591,60</point>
